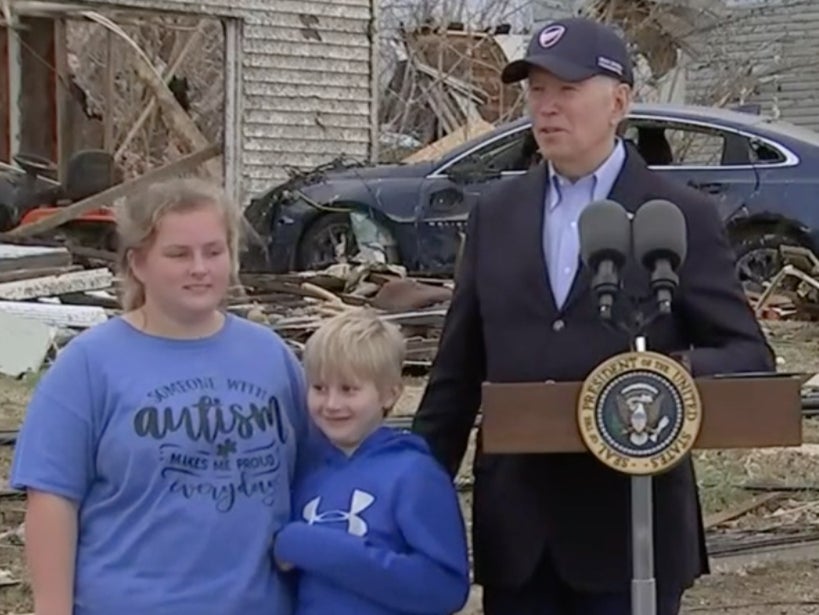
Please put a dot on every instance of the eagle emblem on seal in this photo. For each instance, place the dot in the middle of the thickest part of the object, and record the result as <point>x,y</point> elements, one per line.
<point>639,407</point>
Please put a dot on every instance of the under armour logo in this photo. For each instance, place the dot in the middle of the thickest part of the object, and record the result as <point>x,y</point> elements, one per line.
<point>356,526</point>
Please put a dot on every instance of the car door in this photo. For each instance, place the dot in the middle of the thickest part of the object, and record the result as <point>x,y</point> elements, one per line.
<point>449,193</point>
<point>713,159</point>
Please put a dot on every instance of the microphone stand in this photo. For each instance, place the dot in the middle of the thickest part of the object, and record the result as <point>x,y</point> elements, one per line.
<point>643,582</point>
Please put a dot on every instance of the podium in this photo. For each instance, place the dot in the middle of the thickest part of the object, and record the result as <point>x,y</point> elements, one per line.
<point>640,413</point>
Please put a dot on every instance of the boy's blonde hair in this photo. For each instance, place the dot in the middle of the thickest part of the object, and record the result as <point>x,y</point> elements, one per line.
<point>357,345</point>
<point>139,217</point>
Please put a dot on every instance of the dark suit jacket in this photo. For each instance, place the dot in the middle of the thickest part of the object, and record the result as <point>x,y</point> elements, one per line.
<point>503,326</point>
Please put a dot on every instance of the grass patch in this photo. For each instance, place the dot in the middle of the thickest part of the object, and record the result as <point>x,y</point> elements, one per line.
<point>721,474</point>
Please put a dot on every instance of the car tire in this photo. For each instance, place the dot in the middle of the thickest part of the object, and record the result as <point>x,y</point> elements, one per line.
<point>315,249</point>
<point>757,256</point>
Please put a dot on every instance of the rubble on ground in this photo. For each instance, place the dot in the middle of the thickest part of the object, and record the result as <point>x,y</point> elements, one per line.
<point>49,293</point>
<point>793,293</point>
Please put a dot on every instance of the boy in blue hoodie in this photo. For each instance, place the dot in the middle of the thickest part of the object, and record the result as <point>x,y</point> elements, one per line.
<point>379,530</point>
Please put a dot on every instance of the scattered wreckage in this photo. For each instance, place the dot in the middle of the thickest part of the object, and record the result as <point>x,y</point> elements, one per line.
<point>29,193</point>
<point>50,292</point>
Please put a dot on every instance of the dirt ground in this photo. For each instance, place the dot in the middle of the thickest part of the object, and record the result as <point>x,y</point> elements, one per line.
<point>779,588</point>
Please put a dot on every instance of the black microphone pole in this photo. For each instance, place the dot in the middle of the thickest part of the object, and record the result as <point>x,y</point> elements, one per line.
<point>658,232</point>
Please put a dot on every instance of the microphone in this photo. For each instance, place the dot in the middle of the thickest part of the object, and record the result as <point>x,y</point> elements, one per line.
<point>605,243</point>
<point>659,231</point>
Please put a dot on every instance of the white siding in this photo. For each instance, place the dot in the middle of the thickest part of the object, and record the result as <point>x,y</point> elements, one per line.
<point>307,81</point>
<point>775,44</point>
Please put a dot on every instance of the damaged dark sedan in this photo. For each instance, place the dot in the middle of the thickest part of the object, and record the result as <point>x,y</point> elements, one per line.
<point>761,173</point>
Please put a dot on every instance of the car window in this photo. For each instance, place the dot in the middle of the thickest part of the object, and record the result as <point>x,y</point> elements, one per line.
<point>680,144</point>
<point>676,144</point>
<point>763,153</point>
<point>512,152</point>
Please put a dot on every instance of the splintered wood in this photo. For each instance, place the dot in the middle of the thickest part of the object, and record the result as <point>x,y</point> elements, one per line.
<point>296,304</point>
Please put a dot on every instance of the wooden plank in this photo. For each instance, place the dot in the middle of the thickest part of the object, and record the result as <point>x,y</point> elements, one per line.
<point>724,516</point>
<point>55,285</point>
<point>15,258</point>
<point>40,272</point>
<point>107,197</point>
<point>73,316</point>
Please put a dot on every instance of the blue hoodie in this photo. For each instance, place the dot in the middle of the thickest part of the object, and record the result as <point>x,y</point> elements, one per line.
<point>379,532</point>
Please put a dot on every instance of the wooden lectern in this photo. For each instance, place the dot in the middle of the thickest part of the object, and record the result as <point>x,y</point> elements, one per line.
<point>739,412</point>
<point>752,411</point>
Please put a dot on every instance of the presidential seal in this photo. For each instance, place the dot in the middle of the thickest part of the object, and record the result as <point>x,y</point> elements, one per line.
<point>639,412</point>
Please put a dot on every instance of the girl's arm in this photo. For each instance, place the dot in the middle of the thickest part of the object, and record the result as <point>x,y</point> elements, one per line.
<point>54,464</point>
<point>51,547</point>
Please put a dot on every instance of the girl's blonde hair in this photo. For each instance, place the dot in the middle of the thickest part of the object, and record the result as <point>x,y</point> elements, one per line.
<point>356,345</point>
<point>139,216</point>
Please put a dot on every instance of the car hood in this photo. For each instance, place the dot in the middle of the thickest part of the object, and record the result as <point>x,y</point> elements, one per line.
<point>362,184</point>
<point>384,171</point>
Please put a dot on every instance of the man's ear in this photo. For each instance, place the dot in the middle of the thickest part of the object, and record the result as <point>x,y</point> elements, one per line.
<point>623,97</point>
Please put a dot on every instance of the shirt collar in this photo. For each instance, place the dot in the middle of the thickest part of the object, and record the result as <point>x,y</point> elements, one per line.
<point>602,177</point>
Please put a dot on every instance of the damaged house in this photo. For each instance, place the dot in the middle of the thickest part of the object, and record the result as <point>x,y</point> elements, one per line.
<point>266,86</point>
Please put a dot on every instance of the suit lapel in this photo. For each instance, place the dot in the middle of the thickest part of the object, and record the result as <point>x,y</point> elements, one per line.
<point>531,196</point>
<point>629,190</point>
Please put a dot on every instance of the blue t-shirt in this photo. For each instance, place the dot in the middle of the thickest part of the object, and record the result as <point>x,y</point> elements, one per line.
<point>180,456</point>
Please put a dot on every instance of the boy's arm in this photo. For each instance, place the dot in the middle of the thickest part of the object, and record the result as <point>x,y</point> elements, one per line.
<point>432,578</point>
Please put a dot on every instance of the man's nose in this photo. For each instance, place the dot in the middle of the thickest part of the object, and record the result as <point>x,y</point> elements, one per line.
<point>546,105</point>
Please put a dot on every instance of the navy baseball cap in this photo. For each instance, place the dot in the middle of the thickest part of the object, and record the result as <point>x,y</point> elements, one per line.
<point>573,50</point>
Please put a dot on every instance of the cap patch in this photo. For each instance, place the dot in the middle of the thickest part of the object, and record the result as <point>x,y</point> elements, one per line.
<point>610,64</point>
<point>551,35</point>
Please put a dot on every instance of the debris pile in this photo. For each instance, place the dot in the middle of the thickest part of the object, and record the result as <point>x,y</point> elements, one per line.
<point>49,293</point>
<point>295,304</point>
<point>793,293</point>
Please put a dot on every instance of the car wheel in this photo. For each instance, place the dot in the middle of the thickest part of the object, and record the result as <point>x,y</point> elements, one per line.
<point>326,241</point>
<point>758,259</point>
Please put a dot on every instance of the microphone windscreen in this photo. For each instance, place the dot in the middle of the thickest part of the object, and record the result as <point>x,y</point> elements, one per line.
<point>659,229</point>
<point>605,232</point>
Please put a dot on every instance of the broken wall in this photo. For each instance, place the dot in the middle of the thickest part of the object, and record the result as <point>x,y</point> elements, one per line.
<point>307,81</point>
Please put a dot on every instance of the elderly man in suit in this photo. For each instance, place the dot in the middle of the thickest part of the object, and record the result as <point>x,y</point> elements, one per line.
<point>551,532</point>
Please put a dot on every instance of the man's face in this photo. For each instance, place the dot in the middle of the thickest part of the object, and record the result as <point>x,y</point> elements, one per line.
<point>572,122</point>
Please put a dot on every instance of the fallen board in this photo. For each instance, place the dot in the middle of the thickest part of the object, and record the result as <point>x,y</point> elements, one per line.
<point>55,285</point>
<point>14,257</point>
<point>72,316</point>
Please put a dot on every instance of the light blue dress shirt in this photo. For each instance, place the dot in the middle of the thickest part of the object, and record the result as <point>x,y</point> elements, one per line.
<point>565,201</point>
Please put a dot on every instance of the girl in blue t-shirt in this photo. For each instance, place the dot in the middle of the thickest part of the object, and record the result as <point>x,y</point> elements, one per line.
<point>158,450</point>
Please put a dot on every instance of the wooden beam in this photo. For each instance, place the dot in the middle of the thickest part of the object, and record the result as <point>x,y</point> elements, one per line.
<point>40,272</point>
<point>15,258</point>
<point>66,129</point>
<point>178,120</point>
<point>194,38</point>
<point>107,197</point>
<point>110,70</point>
